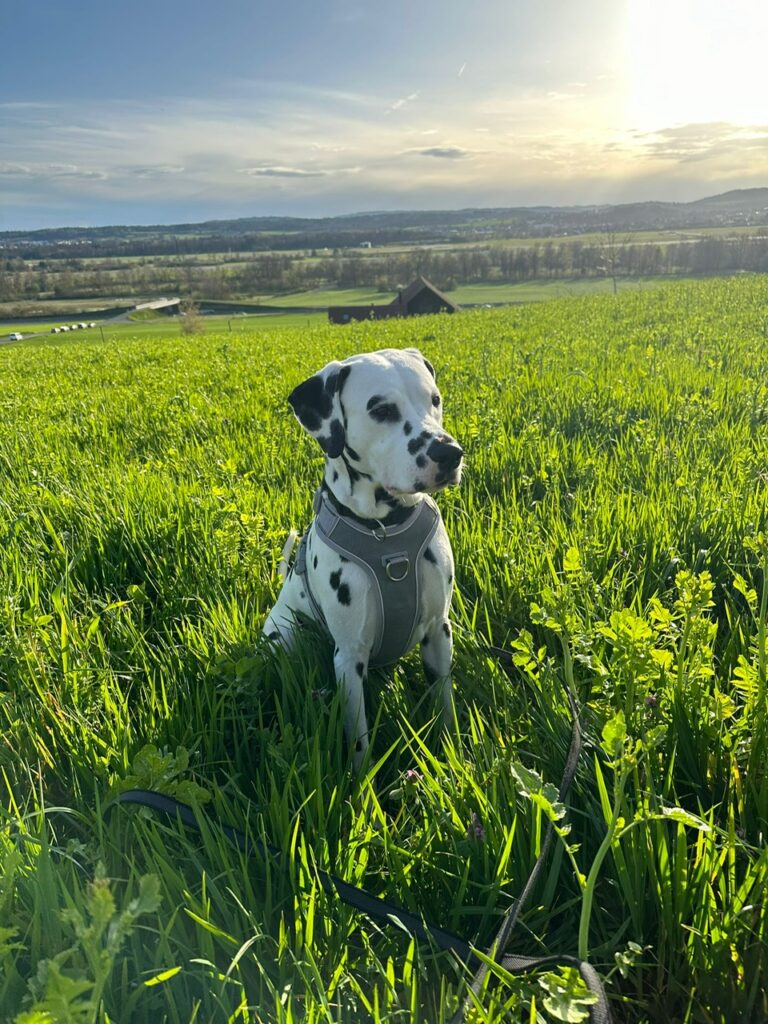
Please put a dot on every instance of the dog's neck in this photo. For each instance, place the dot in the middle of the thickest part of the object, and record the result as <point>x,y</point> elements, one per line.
<point>363,496</point>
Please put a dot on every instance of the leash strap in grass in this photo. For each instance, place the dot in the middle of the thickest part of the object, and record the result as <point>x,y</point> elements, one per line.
<point>599,1011</point>
<point>375,907</point>
<point>383,910</point>
<point>355,897</point>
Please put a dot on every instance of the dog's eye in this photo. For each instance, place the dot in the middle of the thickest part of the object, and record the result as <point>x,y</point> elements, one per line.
<point>385,412</point>
<point>435,399</point>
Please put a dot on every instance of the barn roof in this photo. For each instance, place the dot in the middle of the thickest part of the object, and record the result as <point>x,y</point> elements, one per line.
<point>415,287</point>
<point>400,306</point>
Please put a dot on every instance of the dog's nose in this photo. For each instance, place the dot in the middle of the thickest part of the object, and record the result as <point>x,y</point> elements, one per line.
<point>447,454</point>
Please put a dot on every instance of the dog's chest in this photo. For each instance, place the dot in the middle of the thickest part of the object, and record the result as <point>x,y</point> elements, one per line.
<point>379,587</point>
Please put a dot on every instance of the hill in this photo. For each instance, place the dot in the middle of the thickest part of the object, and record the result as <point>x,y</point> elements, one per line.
<point>736,208</point>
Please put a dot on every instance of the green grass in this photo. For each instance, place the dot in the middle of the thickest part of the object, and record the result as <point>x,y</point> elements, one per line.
<point>170,327</point>
<point>544,291</point>
<point>332,297</point>
<point>611,527</point>
<point>530,291</point>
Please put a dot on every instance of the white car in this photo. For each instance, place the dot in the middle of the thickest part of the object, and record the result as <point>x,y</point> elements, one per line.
<point>15,336</point>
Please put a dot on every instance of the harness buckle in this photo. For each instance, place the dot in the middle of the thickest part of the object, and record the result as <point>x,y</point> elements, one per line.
<point>397,566</point>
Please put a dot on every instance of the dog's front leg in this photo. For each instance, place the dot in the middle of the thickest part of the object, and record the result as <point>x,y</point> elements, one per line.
<point>351,667</point>
<point>436,656</point>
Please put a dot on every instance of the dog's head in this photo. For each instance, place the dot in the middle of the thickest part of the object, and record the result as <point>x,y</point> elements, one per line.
<point>382,413</point>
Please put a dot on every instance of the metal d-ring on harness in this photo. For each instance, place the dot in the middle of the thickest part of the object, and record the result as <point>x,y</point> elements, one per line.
<point>373,906</point>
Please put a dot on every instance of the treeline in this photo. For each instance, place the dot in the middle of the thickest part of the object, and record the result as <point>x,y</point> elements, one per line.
<point>271,273</point>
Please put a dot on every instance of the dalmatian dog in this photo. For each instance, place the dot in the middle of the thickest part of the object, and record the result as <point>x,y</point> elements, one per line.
<point>375,566</point>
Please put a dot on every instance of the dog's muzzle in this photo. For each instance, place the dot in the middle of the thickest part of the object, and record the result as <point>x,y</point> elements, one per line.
<point>447,456</point>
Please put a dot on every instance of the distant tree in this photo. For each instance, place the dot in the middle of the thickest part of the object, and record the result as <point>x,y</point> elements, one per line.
<point>191,317</point>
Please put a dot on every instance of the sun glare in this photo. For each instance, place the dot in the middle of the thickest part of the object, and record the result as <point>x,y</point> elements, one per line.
<point>696,61</point>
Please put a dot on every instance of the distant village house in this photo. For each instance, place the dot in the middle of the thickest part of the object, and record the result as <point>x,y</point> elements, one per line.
<point>418,298</point>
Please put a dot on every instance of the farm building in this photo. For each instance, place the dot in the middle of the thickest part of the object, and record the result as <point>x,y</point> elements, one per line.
<point>419,297</point>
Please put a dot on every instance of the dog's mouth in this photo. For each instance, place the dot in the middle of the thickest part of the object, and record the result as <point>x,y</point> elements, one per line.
<point>441,481</point>
<point>444,480</point>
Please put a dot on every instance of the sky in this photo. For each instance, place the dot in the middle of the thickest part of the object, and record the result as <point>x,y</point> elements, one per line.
<point>116,112</point>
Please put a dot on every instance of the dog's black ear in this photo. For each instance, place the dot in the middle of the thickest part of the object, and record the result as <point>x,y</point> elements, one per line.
<point>317,406</point>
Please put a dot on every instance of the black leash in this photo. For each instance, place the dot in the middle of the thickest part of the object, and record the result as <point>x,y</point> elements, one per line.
<point>373,906</point>
<point>599,1012</point>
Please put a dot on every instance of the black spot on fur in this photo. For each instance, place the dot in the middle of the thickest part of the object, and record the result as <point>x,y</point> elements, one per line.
<point>387,412</point>
<point>435,399</point>
<point>335,476</point>
<point>303,594</point>
<point>343,594</point>
<point>431,675</point>
<point>381,495</point>
<point>421,461</point>
<point>274,635</point>
<point>407,428</point>
<point>314,563</point>
<point>450,577</point>
<point>351,453</point>
<point>374,400</point>
<point>335,579</point>
<point>419,485</point>
<point>430,556</point>
<point>360,668</point>
<point>359,746</point>
<point>447,630</point>
<point>354,476</point>
<point>333,445</point>
<point>429,366</point>
<point>416,444</point>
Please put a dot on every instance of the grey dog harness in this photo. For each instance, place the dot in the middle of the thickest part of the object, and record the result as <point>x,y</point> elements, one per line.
<point>390,557</point>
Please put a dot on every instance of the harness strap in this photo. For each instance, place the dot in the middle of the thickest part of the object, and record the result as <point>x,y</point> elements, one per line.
<point>390,557</point>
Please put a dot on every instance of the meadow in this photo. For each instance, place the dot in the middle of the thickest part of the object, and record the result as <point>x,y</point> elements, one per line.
<point>611,531</point>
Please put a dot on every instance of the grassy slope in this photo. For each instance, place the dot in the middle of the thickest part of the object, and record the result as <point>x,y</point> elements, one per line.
<point>530,291</point>
<point>147,490</point>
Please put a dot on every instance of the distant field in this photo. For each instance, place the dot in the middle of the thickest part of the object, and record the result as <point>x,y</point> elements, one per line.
<point>480,294</point>
<point>611,530</point>
<point>165,327</point>
<point>534,291</point>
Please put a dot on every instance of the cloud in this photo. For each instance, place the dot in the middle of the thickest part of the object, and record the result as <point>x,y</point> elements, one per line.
<point>38,171</point>
<point>443,152</point>
<point>283,172</point>
<point>399,104</point>
<point>297,172</point>
<point>318,151</point>
<point>691,143</point>
<point>154,171</point>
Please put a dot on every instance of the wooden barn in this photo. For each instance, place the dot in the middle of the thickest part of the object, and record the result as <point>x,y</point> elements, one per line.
<point>418,298</point>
